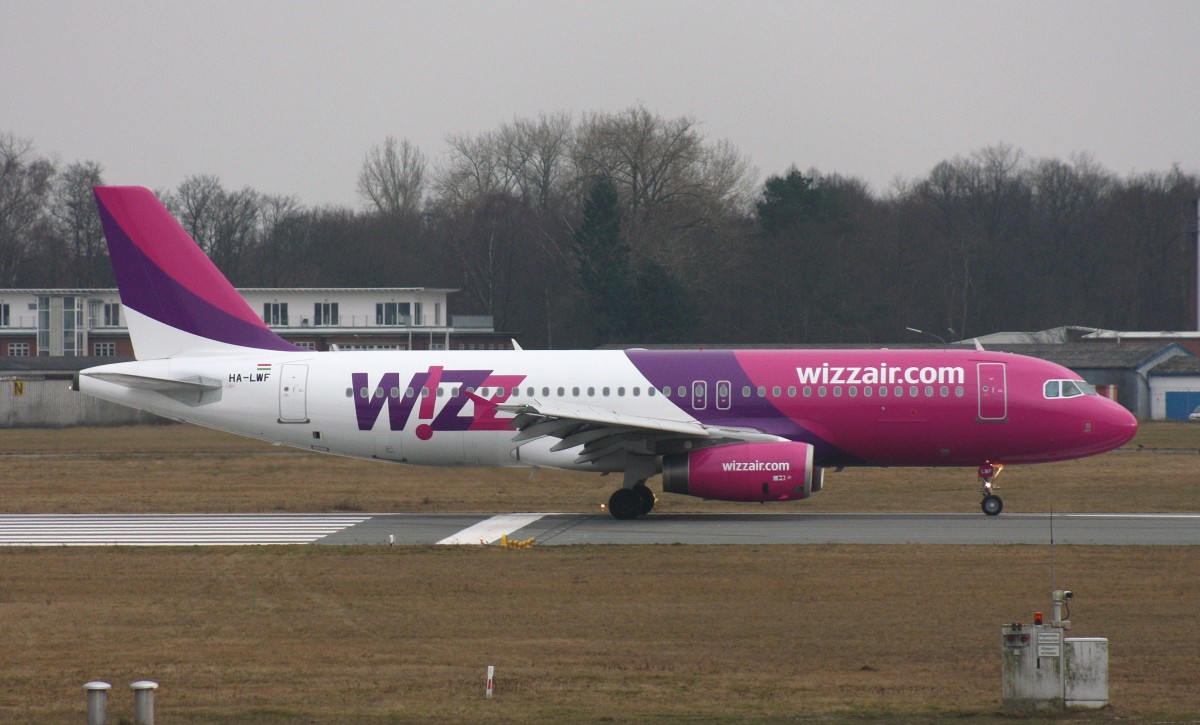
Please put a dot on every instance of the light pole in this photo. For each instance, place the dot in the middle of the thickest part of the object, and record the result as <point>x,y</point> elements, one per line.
<point>922,332</point>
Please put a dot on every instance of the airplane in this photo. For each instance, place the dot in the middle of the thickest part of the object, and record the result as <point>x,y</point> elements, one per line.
<point>731,425</point>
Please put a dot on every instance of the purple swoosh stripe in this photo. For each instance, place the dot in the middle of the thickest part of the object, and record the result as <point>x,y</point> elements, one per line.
<point>682,367</point>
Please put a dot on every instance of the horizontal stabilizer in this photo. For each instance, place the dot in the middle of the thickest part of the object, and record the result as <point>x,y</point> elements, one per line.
<point>194,383</point>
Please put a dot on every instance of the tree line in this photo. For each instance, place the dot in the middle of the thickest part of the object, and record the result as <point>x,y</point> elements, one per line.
<point>630,227</point>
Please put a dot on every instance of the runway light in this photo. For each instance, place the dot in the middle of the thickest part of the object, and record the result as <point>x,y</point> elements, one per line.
<point>603,506</point>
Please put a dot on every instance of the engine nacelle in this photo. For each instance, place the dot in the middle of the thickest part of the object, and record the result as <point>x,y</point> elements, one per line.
<point>777,471</point>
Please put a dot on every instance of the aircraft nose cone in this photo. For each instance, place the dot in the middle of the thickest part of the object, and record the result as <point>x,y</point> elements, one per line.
<point>1119,425</point>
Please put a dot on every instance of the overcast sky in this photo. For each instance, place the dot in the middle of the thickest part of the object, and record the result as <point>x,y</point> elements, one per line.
<point>287,97</point>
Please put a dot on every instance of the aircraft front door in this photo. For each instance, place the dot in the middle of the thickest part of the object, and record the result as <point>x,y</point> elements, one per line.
<point>993,393</point>
<point>293,394</point>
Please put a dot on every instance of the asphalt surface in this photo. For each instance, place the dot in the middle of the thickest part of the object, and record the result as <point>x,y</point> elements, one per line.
<point>565,529</point>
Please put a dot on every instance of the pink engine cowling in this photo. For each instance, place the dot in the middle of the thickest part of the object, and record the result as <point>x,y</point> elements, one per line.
<point>776,471</point>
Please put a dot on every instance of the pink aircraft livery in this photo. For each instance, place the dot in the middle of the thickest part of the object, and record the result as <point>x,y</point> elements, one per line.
<point>751,425</point>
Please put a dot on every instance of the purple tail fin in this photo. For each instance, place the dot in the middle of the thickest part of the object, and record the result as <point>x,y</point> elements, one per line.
<point>176,300</point>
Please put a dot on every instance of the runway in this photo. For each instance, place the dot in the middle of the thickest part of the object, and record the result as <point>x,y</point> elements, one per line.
<point>562,529</point>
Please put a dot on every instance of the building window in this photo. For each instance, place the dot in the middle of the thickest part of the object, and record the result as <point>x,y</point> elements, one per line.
<point>4,315</point>
<point>437,314</point>
<point>306,345</point>
<point>325,314</point>
<point>104,349</point>
<point>43,327</point>
<point>73,327</point>
<point>18,349</point>
<point>392,314</point>
<point>112,314</point>
<point>275,313</point>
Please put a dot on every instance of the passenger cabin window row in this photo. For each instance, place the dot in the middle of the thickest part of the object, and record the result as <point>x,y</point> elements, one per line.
<point>808,391</point>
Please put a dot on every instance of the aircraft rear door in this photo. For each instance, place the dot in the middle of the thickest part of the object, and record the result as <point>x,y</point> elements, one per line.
<point>293,393</point>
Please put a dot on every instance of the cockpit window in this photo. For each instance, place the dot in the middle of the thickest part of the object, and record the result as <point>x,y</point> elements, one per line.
<point>1067,389</point>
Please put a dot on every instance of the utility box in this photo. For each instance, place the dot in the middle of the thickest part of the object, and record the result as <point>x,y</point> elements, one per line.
<point>1085,672</point>
<point>1032,667</point>
<point>1043,670</point>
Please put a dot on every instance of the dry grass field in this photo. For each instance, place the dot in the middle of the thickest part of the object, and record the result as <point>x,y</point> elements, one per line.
<point>684,634</point>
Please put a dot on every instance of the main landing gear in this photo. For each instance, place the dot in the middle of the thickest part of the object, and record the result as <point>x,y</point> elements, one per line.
<point>991,505</point>
<point>634,498</point>
<point>629,503</point>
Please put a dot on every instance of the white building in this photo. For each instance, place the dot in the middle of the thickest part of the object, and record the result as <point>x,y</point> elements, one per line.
<point>89,322</point>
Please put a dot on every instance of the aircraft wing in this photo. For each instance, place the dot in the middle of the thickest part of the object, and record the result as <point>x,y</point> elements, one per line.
<point>603,432</point>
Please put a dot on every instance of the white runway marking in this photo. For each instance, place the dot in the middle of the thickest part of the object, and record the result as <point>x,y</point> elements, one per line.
<point>169,529</point>
<point>490,530</point>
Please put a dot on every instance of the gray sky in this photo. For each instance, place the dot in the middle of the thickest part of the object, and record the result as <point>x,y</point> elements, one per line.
<point>287,97</point>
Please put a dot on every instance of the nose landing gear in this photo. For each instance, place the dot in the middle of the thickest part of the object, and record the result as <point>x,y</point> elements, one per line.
<point>991,504</point>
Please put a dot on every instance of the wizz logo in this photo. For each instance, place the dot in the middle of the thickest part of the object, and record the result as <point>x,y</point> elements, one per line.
<point>421,392</point>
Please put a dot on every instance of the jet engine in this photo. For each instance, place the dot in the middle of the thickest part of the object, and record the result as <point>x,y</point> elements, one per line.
<point>775,471</point>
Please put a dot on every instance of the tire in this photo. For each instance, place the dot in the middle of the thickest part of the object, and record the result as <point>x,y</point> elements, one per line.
<point>992,505</point>
<point>647,497</point>
<point>625,504</point>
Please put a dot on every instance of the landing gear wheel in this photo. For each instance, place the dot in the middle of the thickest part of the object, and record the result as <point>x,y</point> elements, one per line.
<point>625,503</point>
<point>992,505</point>
<point>647,497</point>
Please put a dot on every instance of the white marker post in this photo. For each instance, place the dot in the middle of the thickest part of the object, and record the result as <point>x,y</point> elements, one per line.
<point>491,674</point>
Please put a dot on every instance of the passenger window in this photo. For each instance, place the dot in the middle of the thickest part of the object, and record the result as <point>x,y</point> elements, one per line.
<point>561,393</point>
<point>776,392</point>
<point>604,392</point>
<point>575,392</point>
<point>745,391</point>
<point>791,391</point>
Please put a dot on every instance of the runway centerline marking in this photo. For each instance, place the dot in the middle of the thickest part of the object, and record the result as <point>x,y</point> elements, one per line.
<point>490,530</point>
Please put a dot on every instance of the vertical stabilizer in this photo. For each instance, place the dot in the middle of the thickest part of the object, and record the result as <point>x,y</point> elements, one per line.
<point>175,299</point>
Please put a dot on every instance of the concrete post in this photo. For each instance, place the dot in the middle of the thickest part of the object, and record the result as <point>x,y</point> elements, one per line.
<point>97,702</point>
<point>143,702</point>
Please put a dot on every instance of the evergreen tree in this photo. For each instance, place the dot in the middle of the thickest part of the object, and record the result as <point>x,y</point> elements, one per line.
<point>605,274</point>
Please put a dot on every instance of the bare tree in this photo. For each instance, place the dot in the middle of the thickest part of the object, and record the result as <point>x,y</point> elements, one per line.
<point>392,179</point>
<point>25,184</point>
<point>78,223</point>
<point>224,224</point>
